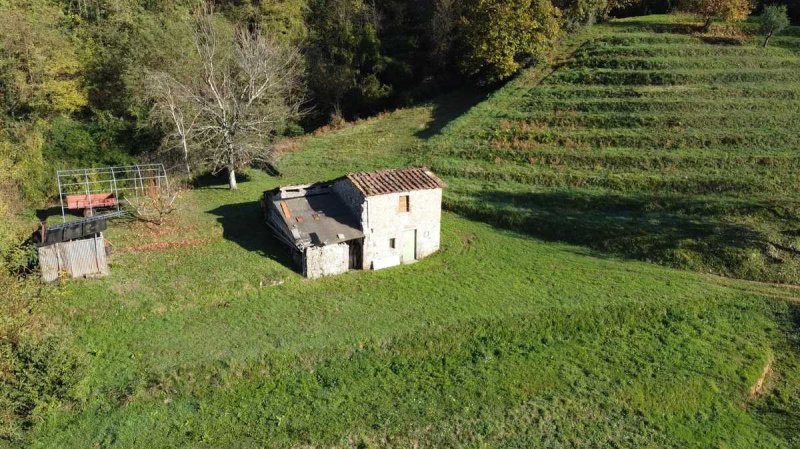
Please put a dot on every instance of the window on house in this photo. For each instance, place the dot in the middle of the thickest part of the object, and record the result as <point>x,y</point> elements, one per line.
<point>403,206</point>
<point>392,243</point>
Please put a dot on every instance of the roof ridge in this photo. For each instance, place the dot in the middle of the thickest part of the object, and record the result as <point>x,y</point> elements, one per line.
<point>395,180</point>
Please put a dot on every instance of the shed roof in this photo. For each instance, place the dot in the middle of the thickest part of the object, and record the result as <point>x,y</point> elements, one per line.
<point>318,219</point>
<point>395,181</point>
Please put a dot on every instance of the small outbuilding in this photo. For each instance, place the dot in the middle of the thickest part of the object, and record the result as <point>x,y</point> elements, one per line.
<point>73,249</point>
<point>359,221</point>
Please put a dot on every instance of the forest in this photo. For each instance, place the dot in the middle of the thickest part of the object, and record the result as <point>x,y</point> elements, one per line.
<point>74,73</point>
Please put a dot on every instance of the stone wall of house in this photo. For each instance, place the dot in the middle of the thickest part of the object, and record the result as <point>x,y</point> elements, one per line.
<point>351,196</point>
<point>326,260</point>
<point>384,222</point>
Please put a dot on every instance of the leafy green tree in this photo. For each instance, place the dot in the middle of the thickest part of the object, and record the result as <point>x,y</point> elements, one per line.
<point>26,175</point>
<point>772,21</point>
<point>579,13</point>
<point>41,70</point>
<point>499,36</point>
<point>344,56</point>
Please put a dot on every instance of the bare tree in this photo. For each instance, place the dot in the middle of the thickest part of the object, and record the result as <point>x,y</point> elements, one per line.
<point>174,105</point>
<point>442,29</point>
<point>244,93</point>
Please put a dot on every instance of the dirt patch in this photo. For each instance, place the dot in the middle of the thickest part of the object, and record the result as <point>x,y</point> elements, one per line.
<point>467,240</point>
<point>758,386</point>
<point>156,246</point>
<point>288,145</point>
<point>155,230</point>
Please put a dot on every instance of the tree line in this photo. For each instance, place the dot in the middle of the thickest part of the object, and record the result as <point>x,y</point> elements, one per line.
<point>91,82</point>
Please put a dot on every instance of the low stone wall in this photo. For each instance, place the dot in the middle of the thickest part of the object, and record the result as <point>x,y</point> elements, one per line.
<point>326,260</point>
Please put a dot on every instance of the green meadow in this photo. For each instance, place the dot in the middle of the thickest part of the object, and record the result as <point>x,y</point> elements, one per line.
<point>645,140</point>
<point>597,214</point>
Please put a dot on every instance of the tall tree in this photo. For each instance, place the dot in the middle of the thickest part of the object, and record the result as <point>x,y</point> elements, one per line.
<point>173,106</point>
<point>442,30</point>
<point>40,71</point>
<point>344,56</point>
<point>499,36</point>
<point>244,93</point>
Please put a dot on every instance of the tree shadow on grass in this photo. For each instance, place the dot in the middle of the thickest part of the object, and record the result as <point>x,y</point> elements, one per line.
<point>721,40</point>
<point>218,181</point>
<point>792,45</point>
<point>242,223</point>
<point>672,28</point>
<point>449,107</point>
<point>687,28</point>
<point>681,232</point>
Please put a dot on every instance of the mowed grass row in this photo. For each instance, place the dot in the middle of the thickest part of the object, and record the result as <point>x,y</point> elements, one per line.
<point>650,110</point>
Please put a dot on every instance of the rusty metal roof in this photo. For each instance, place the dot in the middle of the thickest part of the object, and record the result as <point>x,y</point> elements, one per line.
<point>395,181</point>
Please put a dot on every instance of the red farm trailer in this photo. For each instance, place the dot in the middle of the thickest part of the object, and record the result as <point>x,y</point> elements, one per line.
<point>88,203</point>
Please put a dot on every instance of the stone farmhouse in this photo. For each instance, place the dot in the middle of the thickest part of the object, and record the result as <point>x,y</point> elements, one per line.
<point>359,221</point>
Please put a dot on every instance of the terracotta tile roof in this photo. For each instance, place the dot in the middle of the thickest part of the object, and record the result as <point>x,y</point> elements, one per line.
<point>395,181</point>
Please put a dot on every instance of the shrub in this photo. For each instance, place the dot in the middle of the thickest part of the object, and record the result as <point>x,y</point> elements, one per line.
<point>772,21</point>
<point>72,143</point>
<point>708,10</point>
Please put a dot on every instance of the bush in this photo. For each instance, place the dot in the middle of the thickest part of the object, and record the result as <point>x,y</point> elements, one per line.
<point>21,159</point>
<point>772,21</point>
<point>69,143</point>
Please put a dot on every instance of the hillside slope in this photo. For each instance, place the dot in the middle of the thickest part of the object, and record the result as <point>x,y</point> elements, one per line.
<point>204,336</point>
<point>649,141</point>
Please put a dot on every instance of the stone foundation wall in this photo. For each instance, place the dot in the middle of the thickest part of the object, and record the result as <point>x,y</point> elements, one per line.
<point>326,260</point>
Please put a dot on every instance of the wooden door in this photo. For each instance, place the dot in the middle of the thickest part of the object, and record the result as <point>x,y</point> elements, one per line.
<point>409,252</point>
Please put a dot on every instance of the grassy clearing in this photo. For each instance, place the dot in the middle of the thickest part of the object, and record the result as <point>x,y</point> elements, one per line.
<point>204,337</point>
<point>647,141</point>
<point>500,340</point>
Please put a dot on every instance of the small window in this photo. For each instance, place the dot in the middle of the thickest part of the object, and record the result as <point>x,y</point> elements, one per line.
<point>392,243</point>
<point>403,206</point>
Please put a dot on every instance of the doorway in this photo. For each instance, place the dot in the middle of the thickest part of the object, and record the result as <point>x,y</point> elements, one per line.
<point>409,252</point>
<point>355,254</point>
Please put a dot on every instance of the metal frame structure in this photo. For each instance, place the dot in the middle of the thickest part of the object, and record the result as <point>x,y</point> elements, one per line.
<point>127,179</point>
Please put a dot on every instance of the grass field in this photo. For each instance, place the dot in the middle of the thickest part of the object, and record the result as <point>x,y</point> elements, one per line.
<point>644,141</point>
<point>204,337</point>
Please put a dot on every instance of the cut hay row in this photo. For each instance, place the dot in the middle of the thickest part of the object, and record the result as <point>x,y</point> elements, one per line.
<point>644,109</point>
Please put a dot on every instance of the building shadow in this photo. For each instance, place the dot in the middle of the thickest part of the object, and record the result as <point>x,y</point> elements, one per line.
<point>243,224</point>
<point>670,231</point>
